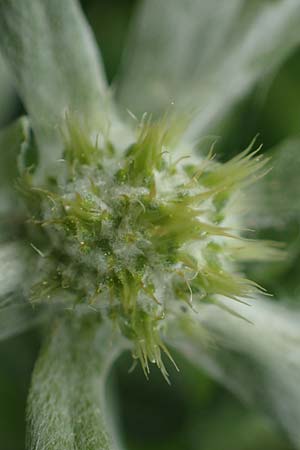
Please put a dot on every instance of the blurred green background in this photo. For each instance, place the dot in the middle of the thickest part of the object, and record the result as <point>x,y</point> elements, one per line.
<point>194,413</point>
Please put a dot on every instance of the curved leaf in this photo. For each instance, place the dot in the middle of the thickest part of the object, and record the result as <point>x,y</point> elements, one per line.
<point>54,62</point>
<point>258,361</point>
<point>204,54</point>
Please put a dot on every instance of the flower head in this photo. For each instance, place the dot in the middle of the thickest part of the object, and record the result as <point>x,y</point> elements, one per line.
<point>137,235</point>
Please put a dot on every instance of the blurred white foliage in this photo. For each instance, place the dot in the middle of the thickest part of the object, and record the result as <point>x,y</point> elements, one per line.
<point>204,55</point>
<point>258,361</point>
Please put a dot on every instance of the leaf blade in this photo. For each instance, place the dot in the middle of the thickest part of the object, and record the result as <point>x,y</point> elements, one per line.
<point>257,361</point>
<point>54,62</point>
<point>203,55</point>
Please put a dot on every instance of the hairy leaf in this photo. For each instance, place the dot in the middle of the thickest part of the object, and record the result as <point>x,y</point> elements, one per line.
<point>54,62</point>
<point>204,54</point>
<point>259,361</point>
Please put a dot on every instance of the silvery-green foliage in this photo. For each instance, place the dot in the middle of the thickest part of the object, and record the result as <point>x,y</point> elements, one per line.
<point>55,65</point>
<point>203,55</point>
<point>259,360</point>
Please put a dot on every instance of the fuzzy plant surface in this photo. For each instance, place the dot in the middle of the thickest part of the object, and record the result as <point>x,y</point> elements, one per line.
<point>118,231</point>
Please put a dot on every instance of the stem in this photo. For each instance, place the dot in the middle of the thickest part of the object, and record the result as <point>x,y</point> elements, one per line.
<point>66,405</point>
